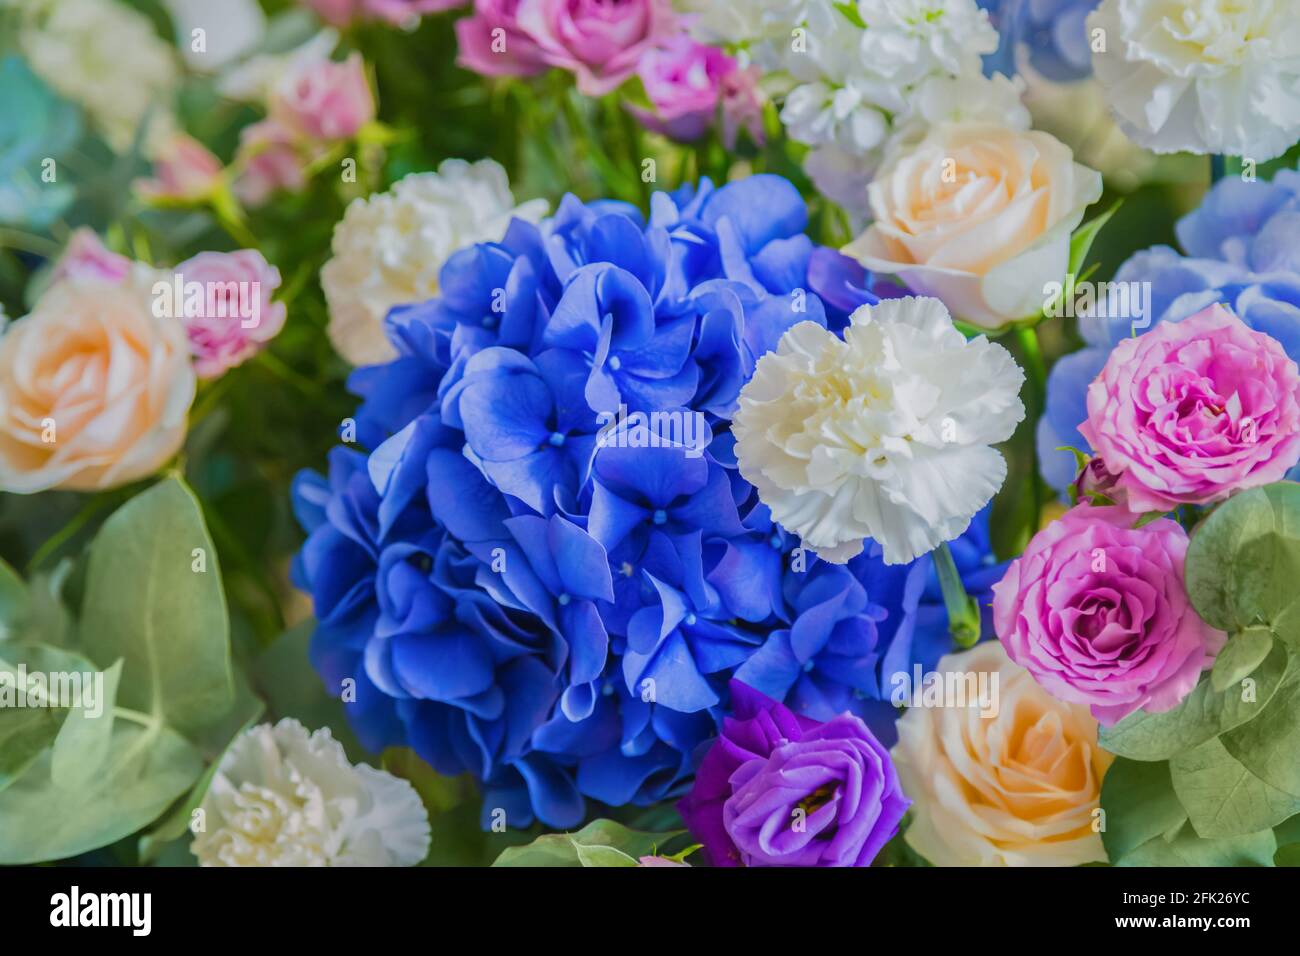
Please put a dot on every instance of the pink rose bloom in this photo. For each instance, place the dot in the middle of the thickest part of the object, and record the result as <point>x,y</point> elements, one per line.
<point>1194,410</point>
<point>492,44</point>
<point>269,161</point>
<point>85,257</point>
<point>324,99</point>
<point>237,316</point>
<point>340,13</point>
<point>1095,609</point>
<point>183,170</point>
<point>742,106</point>
<point>683,80</point>
<point>600,41</point>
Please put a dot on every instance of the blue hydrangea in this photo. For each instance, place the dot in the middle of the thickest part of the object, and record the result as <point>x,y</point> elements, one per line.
<point>1243,250</point>
<point>1051,34</point>
<point>546,567</point>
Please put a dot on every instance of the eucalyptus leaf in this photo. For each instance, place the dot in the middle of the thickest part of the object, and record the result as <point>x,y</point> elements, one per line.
<point>154,598</point>
<point>1139,801</point>
<point>84,739</point>
<point>1288,855</point>
<point>1222,797</point>
<point>28,727</point>
<point>1203,714</point>
<point>1240,656</point>
<point>1268,744</point>
<point>597,837</point>
<point>1187,849</point>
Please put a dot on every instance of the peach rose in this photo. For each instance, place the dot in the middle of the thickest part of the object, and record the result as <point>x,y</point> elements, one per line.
<point>94,389</point>
<point>1015,789</point>
<point>980,216</point>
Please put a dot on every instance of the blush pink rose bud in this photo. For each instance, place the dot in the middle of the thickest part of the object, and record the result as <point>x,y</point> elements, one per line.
<point>1094,479</point>
<point>683,81</point>
<point>1095,609</point>
<point>599,41</point>
<point>184,170</point>
<point>268,161</point>
<point>86,257</point>
<point>1192,411</point>
<point>324,99</point>
<point>493,44</point>
<point>226,307</point>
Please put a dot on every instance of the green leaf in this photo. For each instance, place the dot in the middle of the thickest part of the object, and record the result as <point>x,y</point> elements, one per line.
<point>1244,561</point>
<point>1267,745</point>
<point>84,739</point>
<point>587,847</point>
<point>1201,715</point>
<point>1083,238</point>
<point>26,731</point>
<point>1222,797</point>
<point>147,601</point>
<point>147,767</point>
<point>1288,855</point>
<point>1185,848</point>
<point>1140,803</point>
<point>1240,656</point>
<point>13,600</point>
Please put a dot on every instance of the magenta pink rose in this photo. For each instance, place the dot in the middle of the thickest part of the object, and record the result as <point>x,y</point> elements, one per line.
<point>85,257</point>
<point>1193,411</point>
<point>235,315</point>
<point>1095,609</point>
<point>183,170</point>
<point>683,81</point>
<point>600,41</point>
<point>493,44</point>
<point>325,99</point>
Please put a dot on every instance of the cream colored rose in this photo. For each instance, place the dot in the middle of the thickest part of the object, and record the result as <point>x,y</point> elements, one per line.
<point>94,389</point>
<point>980,216</point>
<point>1015,789</point>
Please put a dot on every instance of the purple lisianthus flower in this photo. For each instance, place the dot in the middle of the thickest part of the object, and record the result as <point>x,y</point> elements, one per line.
<point>1051,34</point>
<point>1242,253</point>
<point>777,789</point>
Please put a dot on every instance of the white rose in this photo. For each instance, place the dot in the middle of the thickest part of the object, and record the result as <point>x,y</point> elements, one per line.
<point>106,57</point>
<point>883,434</point>
<point>283,797</point>
<point>979,215</point>
<point>1202,76</point>
<point>389,249</point>
<point>1018,788</point>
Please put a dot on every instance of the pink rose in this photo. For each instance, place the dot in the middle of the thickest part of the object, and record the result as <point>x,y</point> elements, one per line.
<point>85,257</point>
<point>1095,609</point>
<point>1194,410</point>
<point>492,43</point>
<point>600,41</point>
<point>269,161</point>
<point>742,106</point>
<point>183,170</point>
<point>234,316</point>
<point>683,80</point>
<point>324,99</point>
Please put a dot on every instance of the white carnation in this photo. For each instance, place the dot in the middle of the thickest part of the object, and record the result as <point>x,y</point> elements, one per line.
<point>1202,76</point>
<point>883,434</point>
<point>388,249</point>
<point>283,797</point>
<point>105,57</point>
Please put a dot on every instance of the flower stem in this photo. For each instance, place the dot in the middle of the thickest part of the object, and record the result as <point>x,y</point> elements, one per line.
<point>963,610</point>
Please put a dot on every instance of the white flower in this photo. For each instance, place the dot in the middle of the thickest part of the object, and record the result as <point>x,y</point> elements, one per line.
<point>1015,788</point>
<point>884,434</point>
<point>908,40</point>
<point>388,249</point>
<point>253,79</point>
<point>240,28</point>
<point>283,797</point>
<point>1202,76</point>
<point>107,58</point>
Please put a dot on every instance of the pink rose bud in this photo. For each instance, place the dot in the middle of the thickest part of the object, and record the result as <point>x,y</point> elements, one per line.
<point>599,41</point>
<point>683,81</point>
<point>224,300</point>
<point>269,160</point>
<point>1094,479</point>
<point>85,257</point>
<point>183,170</point>
<point>493,44</point>
<point>1192,411</point>
<point>325,99</point>
<point>1095,609</point>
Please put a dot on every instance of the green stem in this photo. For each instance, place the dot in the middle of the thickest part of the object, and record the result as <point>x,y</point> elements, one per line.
<point>1035,402</point>
<point>963,611</point>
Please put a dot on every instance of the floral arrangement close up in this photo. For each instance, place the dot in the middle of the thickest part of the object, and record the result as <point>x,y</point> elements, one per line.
<point>644,433</point>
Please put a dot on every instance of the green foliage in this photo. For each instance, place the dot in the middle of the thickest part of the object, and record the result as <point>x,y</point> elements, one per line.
<point>599,843</point>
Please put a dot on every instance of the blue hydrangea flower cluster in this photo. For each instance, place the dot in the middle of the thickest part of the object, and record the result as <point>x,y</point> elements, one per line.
<point>547,567</point>
<point>1051,34</point>
<point>1243,250</point>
